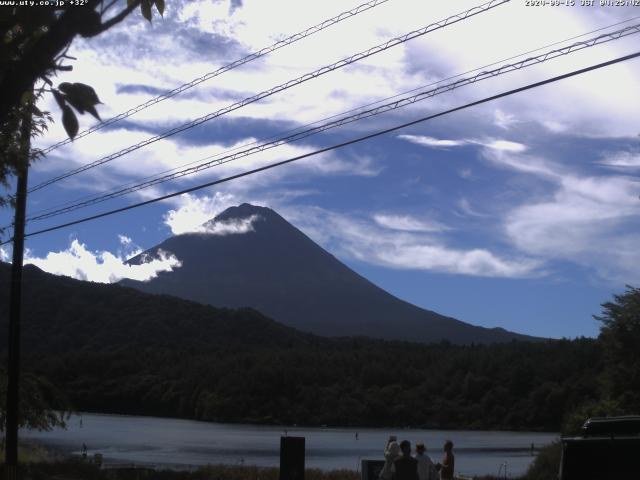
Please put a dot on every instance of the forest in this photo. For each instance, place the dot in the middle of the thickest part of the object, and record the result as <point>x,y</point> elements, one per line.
<point>111,349</point>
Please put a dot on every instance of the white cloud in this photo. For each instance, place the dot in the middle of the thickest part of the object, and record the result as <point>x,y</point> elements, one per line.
<point>408,223</point>
<point>464,205</point>
<point>124,240</point>
<point>494,144</point>
<point>366,242</point>
<point>622,160</point>
<point>504,120</point>
<point>513,160</point>
<point>228,227</point>
<point>432,142</point>
<point>193,211</point>
<point>4,255</point>
<point>100,266</point>
<point>504,146</point>
<point>554,126</point>
<point>588,220</point>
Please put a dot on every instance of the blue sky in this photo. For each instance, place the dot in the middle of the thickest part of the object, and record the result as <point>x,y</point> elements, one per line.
<point>522,213</point>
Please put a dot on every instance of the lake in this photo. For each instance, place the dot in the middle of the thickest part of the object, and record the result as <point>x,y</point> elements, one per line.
<point>186,444</point>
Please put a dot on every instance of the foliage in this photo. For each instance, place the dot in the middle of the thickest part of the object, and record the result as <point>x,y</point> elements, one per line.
<point>33,453</point>
<point>620,336</point>
<point>34,41</point>
<point>42,405</point>
<point>603,407</point>
<point>546,464</point>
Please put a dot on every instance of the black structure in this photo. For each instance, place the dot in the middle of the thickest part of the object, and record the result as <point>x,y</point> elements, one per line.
<point>609,448</point>
<point>370,469</point>
<point>291,458</point>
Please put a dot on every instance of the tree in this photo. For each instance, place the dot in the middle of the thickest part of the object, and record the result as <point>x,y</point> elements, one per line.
<point>35,41</point>
<point>620,336</point>
<point>43,406</point>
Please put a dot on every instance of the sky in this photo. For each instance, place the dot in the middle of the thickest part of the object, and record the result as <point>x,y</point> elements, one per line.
<point>521,213</point>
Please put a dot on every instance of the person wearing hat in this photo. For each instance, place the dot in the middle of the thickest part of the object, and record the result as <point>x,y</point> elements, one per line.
<point>426,468</point>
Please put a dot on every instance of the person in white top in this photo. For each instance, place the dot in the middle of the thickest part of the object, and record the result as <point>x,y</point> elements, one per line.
<point>426,468</point>
<point>391,453</point>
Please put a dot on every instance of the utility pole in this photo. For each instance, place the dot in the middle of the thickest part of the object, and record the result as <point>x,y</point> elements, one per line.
<point>13,370</point>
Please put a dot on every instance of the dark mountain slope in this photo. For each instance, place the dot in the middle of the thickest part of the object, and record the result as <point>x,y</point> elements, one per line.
<point>279,271</point>
<point>60,314</point>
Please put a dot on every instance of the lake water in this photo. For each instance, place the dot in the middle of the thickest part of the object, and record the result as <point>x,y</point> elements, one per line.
<point>187,444</point>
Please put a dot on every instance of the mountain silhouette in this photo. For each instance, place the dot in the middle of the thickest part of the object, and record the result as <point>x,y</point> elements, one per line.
<point>249,256</point>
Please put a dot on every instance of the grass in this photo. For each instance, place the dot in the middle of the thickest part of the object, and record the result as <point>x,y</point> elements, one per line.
<point>39,463</point>
<point>31,453</point>
<point>78,469</point>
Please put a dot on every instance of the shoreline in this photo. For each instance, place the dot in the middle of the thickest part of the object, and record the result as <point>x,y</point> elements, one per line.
<point>354,428</point>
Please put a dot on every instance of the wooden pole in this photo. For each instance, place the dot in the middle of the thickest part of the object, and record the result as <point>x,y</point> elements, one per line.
<point>15,301</point>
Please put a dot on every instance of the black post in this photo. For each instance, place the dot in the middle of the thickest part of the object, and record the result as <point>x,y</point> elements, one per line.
<point>13,370</point>
<point>291,458</point>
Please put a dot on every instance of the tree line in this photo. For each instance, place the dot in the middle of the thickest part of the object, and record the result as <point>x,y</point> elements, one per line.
<point>108,348</point>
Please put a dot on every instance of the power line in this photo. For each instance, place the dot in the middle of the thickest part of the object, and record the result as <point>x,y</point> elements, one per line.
<point>291,83</point>
<point>487,74</point>
<point>94,196</point>
<point>339,145</point>
<point>208,76</point>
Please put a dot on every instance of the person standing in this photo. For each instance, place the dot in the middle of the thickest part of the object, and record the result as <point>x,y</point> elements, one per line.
<point>426,468</point>
<point>391,453</point>
<point>448,462</point>
<point>406,467</point>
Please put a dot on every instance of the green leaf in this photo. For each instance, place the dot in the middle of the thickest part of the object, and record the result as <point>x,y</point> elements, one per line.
<point>130,2</point>
<point>27,97</point>
<point>69,121</point>
<point>160,6</point>
<point>145,7</point>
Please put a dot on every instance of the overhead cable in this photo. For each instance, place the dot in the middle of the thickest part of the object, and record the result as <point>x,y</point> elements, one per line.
<point>230,66</point>
<point>399,103</point>
<point>336,146</point>
<point>284,86</point>
<point>317,122</point>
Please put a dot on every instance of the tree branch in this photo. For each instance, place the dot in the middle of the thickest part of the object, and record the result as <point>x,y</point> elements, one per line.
<point>116,19</point>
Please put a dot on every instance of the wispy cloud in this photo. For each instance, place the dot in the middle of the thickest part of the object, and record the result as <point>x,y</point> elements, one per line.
<point>504,120</point>
<point>369,242</point>
<point>465,206</point>
<point>408,223</point>
<point>79,262</point>
<point>433,142</point>
<point>588,220</point>
<point>622,161</point>
<point>493,144</point>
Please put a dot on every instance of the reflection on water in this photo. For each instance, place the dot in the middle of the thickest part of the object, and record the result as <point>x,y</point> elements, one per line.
<point>187,444</point>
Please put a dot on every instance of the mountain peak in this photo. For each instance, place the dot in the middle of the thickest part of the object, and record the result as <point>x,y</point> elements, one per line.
<point>253,257</point>
<point>243,211</point>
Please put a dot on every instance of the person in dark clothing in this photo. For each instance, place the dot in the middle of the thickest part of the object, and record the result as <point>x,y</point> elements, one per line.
<point>406,467</point>
<point>448,462</point>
